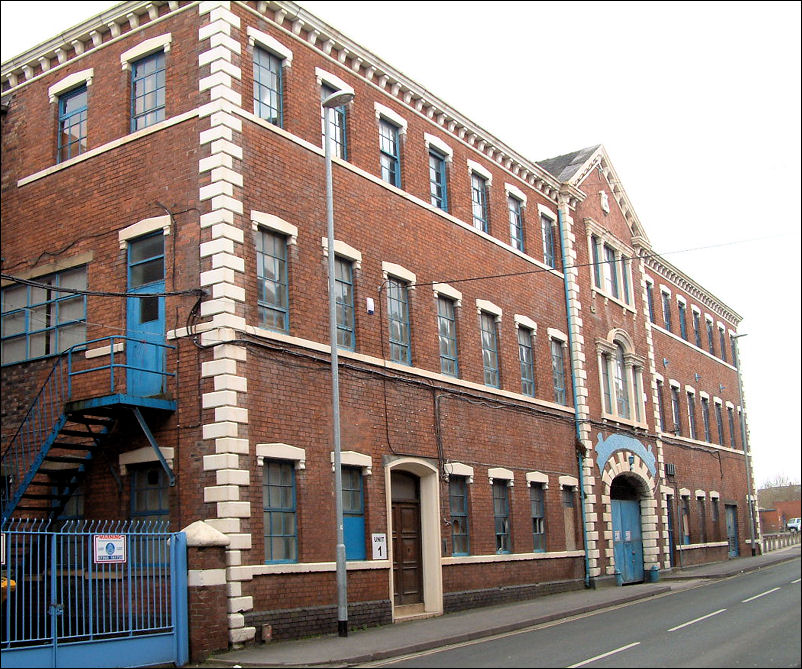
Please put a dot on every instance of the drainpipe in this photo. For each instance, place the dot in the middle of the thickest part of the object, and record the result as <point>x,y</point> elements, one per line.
<point>589,582</point>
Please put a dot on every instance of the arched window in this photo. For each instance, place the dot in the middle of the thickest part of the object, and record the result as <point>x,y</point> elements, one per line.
<point>620,372</point>
<point>621,383</point>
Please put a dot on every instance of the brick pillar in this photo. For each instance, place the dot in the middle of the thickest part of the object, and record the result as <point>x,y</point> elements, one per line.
<point>207,596</point>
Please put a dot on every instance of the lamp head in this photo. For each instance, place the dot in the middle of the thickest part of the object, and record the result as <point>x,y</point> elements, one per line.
<point>338,98</point>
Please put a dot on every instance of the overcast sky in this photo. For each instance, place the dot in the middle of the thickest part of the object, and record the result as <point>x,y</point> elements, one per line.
<point>697,104</point>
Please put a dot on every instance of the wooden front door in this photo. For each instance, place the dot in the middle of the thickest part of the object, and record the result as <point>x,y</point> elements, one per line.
<point>407,563</point>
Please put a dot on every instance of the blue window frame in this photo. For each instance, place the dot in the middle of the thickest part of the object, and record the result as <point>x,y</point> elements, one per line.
<point>458,502</point>
<point>706,418</point>
<point>390,153</point>
<point>548,241</point>
<point>697,328</point>
<point>683,325</point>
<point>595,250</point>
<point>625,288</point>
<point>479,201</point>
<point>719,424</point>
<point>516,223</point>
<point>501,516</point>
<point>72,123</point>
<point>353,513</point>
<point>150,503</point>
<point>611,272</point>
<point>650,300</point>
<point>148,91</point>
<point>731,418</point>
<point>268,87</point>
<point>607,389</point>
<point>660,409</point>
<point>146,261</point>
<point>39,321</point>
<point>686,520</point>
<point>398,321</point>
<point>271,275</point>
<point>437,180</point>
<point>691,415</point>
<point>722,341</point>
<point>667,310</point>
<point>675,412</point>
<point>710,345</point>
<point>621,383</point>
<point>526,359</point>
<point>489,349</point>
<point>337,125</point>
<point>344,292</point>
<point>538,509</point>
<point>447,333</point>
<point>280,511</point>
<point>558,371</point>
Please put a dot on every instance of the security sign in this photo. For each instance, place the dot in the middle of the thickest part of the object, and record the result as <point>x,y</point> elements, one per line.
<point>109,548</point>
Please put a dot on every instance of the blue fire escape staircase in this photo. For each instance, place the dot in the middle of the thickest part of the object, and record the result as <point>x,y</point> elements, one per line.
<point>75,411</point>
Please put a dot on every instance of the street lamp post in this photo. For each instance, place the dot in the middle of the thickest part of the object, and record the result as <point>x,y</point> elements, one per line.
<point>742,421</point>
<point>336,99</point>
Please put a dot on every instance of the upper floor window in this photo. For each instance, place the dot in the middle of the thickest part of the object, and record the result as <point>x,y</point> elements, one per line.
<point>267,86</point>
<point>666,310</point>
<point>490,349</point>
<point>731,418</point>
<point>722,342</point>
<point>706,418</point>
<point>479,207</point>
<point>660,409</point>
<point>683,325</point>
<point>271,275</point>
<point>390,153</point>
<point>344,292</point>
<point>650,300</point>
<point>710,345</point>
<point>398,320</point>
<point>458,502</point>
<point>438,190</point>
<point>621,383</point>
<point>611,273</point>
<point>675,412</point>
<point>527,360</point>
<point>692,415</point>
<point>537,505</point>
<point>514,210</point>
<point>558,371</point>
<point>697,328</point>
<point>734,349</point>
<point>280,522</point>
<point>148,91</point>
<point>43,320</point>
<point>338,138</point>
<point>621,380</point>
<point>447,332</point>
<point>72,122</point>
<point>719,424</point>
<point>547,226</point>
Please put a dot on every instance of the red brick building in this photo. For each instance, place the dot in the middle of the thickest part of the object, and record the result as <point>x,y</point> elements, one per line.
<point>529,394</point>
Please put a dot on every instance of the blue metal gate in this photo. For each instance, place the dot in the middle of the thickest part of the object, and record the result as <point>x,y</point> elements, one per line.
<point>93,594</point>
<point>627,544</point>
<point>731,512</point>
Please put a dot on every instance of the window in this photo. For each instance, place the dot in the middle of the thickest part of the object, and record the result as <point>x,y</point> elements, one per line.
<point>710,337</point>
<point>660,409</point>
<point>558,371</point>
<point>650,300</point>
<point>447,330</point>
<point>610,273</point>
<point>624,265</point>
<point>637,393</point>
<point>344,292</point>
<point>148,91</point>
<point>149,504</point>
<point>607,390</point>
<point>437,180</point>
<point>527,360</point>
<point>536,501</point>
<point>268,94</point>
<point>501,516</point>
<point>353,513</point>
<point>719,424</point>
<point>337,127</point>
<point>667,310</point>
<point>398,317</point>
<point>714,518</point>
<point>734,349</point>
<point>458,500</point>
<point>722,341</point>
<point>569,517</point>
<point>490,349</point>
<point>621,383</point>
<point>692,415</point>
<point>390,153</point>
<point>731,418</point>
<point>706,418</point>
<point>675,410</point>
<point>595,247</point>
<point>683,326</point>
<point>697,328</point>
<point>686,520</point>
<point>41,320</point>
<point>478,201</point>
<point>516,223</point>
<point>271,274</point>
<point>281,530</point>
<point>700,503</point>
<point>546,225</point>
<point>72,119</point>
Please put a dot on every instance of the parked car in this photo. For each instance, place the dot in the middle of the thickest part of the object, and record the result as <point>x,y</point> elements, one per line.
<point>793,524</point>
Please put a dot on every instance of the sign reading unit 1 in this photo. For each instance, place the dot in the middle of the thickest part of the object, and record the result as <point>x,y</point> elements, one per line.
<point>379,546</point>
<point>109,548</point>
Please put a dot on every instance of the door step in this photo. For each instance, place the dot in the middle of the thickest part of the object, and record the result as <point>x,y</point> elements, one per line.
<point>405,612</point>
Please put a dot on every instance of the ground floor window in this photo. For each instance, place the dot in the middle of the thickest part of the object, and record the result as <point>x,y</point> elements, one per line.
<point>281,529</point>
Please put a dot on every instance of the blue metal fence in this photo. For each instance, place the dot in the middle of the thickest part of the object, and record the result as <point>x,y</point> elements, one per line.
<point>93,594</point>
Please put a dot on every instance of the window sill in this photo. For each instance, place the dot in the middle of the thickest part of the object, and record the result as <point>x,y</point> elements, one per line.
<point>595,291</point>
<point>608,417</point>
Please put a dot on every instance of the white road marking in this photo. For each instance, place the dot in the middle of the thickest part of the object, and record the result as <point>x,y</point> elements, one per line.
<point>696,620</point>
<point>744,601</point>
<point>796,580</point>
<point>599,657</point>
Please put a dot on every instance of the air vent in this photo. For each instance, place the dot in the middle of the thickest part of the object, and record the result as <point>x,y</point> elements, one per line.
<point>670,469</point>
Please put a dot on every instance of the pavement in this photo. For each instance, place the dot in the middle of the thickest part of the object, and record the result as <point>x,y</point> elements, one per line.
<point>378,643</point>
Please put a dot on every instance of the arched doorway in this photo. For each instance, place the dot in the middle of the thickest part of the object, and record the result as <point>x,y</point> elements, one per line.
<point>407,540</point>
<point>627,542</point>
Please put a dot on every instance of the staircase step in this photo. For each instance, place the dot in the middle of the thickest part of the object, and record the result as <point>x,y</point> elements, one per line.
<point>76,433</point>
<point>86,420</point>
<point>64,458</point>
<point>75,447</point>
<point>29,495</point>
